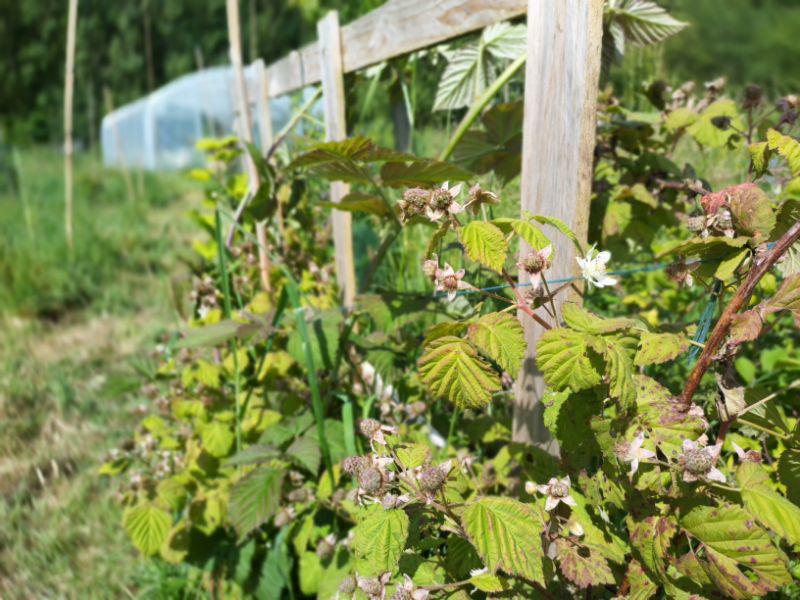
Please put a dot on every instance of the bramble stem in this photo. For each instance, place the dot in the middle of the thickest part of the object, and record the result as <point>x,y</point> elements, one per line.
<point>739,300</point>
<point>522,305</point>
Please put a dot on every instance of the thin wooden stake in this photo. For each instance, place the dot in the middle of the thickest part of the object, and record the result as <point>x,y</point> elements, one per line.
<point>69,84</point>
<point>561,86</point>
<point>123,165</point>
<point>330,46</point>
<point>244,120</point>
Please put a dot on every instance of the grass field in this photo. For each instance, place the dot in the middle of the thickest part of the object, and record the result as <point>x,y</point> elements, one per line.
<point>75,334</point>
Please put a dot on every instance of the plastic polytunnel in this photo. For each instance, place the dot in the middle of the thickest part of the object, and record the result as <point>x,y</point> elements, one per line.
<point>161,130</point>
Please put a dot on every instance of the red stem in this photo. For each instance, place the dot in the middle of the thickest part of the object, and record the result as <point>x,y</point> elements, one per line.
<point>522,305</point>
<point>739,300</point>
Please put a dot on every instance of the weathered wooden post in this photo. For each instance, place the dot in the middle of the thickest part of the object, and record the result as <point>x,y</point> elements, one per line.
<point>262,106</point>
<point>561,86</point>
<point>244,120</point>
<point>330,49</point>
<point>69,86</point>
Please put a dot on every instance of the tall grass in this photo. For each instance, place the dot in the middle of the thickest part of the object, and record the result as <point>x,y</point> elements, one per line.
<point>73,329</point>
<point>113,236</point>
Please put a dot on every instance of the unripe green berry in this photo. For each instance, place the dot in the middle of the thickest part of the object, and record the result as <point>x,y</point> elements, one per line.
<point>697,461</point>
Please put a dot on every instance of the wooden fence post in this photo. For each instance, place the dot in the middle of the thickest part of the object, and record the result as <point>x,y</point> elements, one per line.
<point>69,86</point>
<point>262,106</point>
<point>330,47</point>
<point>561,86</point>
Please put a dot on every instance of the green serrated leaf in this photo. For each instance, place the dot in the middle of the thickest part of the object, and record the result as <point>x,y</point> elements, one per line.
<point>378,541</point>
<point>500,337</point>
<point>752,211</point>
<point>567,360</point>
<point>580,319</point>
<point>470,67</point>
<point>616,219</point>
<point>255,498</point>
<point>218,439</point>
<point>619,369</point>
<point>360,202</point>
<point>490,583</point>
<point>759,155</point>
<point>526,230</point>
<point>640,586</point>
<point>746,326</point>
<point>505,532</point>
<point>485,243</point>
<point>658,348</point>
<point>358,148</point>
<point>705,130</point>
<point>729,263</point>
<point>680,118</point>
<point>789,473</point>
<point>708,247</point>
<point>413,455</point>
<point>665,417</point>
<point>731,538</point>
<point>451,368</point>
<point>581,565</point>
<point>310,571</point>
<point>218,333</point>
<point>339,568</point>
<point>421,172</point>
<point>641,22</point>
<point>147,526</point>
<point>787,147</point>
<point>767,506</point>
<point>788,295</point>
<point>305,452</point>
<point>790,264</point>
<point>560,226</point>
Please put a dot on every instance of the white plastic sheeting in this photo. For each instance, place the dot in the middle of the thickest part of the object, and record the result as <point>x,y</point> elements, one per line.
<point>159,131</point>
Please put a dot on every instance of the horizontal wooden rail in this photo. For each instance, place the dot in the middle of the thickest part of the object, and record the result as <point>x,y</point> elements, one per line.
<point>396,28</point>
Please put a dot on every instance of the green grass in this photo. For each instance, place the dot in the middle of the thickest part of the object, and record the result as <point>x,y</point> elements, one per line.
<point>75,332</point>
<point>114,235</point>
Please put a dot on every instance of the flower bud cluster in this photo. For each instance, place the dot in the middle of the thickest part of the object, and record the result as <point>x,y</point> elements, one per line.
<point>204,295</point>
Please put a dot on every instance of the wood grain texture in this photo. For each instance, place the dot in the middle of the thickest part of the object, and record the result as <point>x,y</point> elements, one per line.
<point>396,28</point>
<point>561,86</point>
<point>262,106</point>
<point>244,120</point>
<point>330,58</point>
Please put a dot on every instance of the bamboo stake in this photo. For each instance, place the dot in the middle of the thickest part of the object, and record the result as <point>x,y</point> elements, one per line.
<point>69,84</point>
<point>244,120</point>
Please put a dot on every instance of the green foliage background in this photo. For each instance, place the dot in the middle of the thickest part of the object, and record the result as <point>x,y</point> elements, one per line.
<point>111,50</point>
